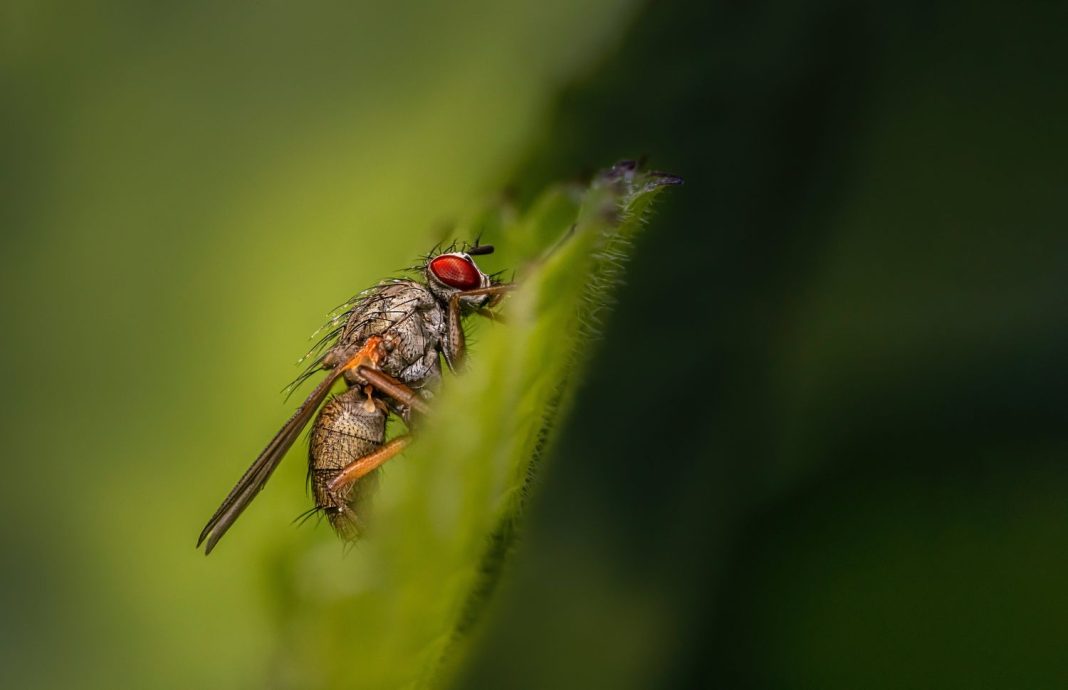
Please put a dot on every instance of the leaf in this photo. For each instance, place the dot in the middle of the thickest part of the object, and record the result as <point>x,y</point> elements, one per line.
<point>398,610</point>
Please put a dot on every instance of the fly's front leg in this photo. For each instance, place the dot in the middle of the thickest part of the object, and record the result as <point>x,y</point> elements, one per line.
<point>455,343</point>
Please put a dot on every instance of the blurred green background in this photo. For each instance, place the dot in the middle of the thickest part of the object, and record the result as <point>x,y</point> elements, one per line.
<point>823,441</point>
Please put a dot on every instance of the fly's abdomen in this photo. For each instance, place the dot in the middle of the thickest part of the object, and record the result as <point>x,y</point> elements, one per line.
<point>348,427</point>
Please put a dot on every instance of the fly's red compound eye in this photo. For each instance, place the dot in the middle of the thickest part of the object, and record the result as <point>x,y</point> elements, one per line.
<point>456,271</point>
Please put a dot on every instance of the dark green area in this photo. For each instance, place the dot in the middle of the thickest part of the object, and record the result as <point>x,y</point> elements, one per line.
<point>825,442</point>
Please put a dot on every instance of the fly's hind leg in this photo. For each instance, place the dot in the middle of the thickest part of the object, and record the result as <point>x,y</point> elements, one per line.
<point>363,466</point>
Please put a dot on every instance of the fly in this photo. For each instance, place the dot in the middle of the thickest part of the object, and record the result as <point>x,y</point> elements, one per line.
<point>388,353</point>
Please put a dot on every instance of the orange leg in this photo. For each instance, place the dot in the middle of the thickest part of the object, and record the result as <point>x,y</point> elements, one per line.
<point>362,466</point>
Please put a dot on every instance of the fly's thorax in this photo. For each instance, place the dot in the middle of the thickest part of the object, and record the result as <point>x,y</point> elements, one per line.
<point>385,306</point>
<point>408,320</point>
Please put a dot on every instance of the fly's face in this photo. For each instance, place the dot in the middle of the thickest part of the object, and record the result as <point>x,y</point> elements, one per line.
<point>454,272</point>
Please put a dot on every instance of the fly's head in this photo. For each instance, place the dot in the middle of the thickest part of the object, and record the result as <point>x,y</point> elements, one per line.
<point>454,272</point>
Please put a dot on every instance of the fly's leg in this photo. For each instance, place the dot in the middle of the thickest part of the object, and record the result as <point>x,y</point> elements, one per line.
<point>360,467</point>
<point>454,335</point>
<point>350,426</point>
<point>494,292</point>
<point>395,389</point>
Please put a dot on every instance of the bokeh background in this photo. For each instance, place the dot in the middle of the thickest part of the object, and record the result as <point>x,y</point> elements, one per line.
<point>823,443</point>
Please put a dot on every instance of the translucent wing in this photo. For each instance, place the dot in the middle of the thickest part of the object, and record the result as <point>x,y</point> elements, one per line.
<point>257,475</point>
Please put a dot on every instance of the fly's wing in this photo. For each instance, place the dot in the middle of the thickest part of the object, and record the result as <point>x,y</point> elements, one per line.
<point>257,475</point>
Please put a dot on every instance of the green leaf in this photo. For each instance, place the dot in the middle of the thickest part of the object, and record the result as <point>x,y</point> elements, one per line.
<point>399,608</point>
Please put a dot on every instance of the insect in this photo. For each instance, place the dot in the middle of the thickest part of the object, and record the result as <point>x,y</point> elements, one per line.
<point>387,351</point>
